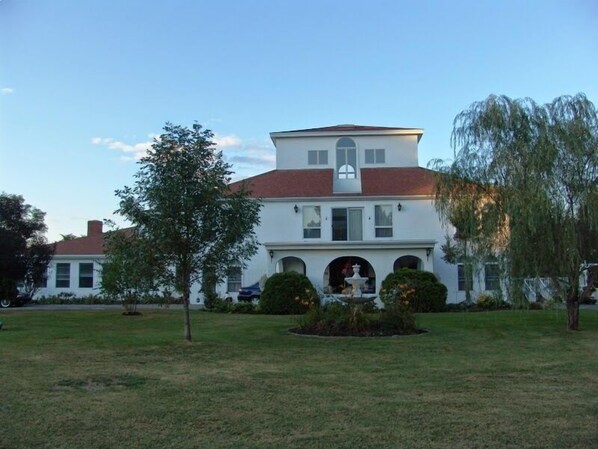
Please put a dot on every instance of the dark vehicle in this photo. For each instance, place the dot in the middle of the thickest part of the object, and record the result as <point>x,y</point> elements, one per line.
<point>249,293</point>
<point>17,301</point>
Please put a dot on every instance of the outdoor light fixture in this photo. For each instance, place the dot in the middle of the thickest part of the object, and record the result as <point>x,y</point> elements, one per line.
<point>296,208</point>
<point>271,254</point>
<point>399,207</point>
<point>428,252</point>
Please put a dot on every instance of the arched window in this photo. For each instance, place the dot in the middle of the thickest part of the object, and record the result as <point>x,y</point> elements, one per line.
<point>346,158</point>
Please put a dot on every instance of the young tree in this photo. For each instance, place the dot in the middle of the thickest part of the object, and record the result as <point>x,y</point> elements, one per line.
<point>531,175</point>
<point>133,268</point>
<point>184,206</point>
<point>24,251</point>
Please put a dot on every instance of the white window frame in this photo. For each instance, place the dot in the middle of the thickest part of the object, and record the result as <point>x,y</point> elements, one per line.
<point>309,228</point>
<point>344,169</point>
<point>350,237</point>
<point>62,277</point>
<point>86,277</point>
<point>380,227</point>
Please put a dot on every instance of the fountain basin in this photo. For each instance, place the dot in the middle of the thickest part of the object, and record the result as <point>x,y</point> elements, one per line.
<point>349,299</point>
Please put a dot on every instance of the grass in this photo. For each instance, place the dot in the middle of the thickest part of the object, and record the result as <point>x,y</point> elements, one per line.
<point>511,379</point>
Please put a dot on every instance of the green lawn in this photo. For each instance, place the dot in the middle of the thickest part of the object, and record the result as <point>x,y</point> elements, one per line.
<point>513,379</point>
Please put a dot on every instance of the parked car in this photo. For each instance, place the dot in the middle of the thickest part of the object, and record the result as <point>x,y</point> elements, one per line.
<point>16,301</point>
<point>249,293</point>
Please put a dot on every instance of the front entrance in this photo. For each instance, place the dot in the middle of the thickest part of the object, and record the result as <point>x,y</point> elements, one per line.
<point>342,267</point>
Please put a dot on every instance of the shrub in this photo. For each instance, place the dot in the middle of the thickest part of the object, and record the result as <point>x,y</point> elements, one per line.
<point>458,307</point>
<point>485,301</point>
<point>397,319</point>
<point>216,304</point>
<point>243,307</point>
<point>428,295</point>
<point>333,319</point>
<point>288,293</point>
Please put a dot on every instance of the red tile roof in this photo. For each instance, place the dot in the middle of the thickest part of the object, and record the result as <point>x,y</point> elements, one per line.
<point>397,181</point>
<point>318,183</point>
<point>289,183</point>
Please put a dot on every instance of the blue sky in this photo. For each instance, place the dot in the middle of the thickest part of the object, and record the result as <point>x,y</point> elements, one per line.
<point>85,84</point>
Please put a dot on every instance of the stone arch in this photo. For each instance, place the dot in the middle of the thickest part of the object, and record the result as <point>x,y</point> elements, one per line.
<point>413,262</point>
<point>292,263</point>
<point>341,267</point>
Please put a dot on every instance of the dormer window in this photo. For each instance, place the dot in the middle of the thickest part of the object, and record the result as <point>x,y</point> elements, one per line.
<point>346,159</point>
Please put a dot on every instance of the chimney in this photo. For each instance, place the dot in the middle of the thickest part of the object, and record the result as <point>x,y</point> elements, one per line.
<point>94,227</point>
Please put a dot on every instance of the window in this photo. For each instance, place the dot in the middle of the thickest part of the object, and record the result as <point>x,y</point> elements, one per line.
<point>85,275</point>
<point>346,159</point>
<point>317,157</point>
<point>375,156</point>
<point>312,222</point>
<point>491,276</point>
<point>383,220</point>
<point>462,281</point>
<point>234,280</point>
<point>347,224</point>
<point>63,275</point>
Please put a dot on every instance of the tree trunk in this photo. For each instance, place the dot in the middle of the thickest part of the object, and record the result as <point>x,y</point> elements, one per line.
<point>573,313</point>
<point>187,330</point>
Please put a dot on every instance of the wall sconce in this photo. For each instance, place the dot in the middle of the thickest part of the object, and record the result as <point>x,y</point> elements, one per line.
<point>399,207</point>
<point>428,252</point>
<point>296,209</point>
<point>271,253</point>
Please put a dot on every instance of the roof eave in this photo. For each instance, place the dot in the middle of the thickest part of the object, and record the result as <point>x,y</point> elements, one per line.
<point>334,133</point>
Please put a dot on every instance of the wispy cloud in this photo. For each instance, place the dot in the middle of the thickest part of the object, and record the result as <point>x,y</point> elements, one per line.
<point>132,152</point>
<point>6,90</point>
<point>223,142</point>
<point>248,158</point>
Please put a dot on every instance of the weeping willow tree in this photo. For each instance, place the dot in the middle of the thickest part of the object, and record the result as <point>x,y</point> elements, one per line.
<point>523,186</point>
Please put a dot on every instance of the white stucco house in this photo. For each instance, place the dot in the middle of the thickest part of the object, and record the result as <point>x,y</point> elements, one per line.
<point>350,194</point>
<point>339,195</point>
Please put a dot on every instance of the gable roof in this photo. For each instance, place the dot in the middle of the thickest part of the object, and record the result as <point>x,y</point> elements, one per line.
<point>316,183</point>
<point>88,245</point>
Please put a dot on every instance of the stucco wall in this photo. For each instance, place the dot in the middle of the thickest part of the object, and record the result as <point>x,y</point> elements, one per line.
<point>401,151</point>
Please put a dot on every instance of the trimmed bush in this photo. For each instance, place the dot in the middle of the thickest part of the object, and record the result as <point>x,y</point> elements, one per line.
<point>485,301</point>
<point>425,292</point>
<point>288,293</point>
<point>221,305</point>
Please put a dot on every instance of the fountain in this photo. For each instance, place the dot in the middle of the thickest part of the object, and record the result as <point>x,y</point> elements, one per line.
<point>356,282</point>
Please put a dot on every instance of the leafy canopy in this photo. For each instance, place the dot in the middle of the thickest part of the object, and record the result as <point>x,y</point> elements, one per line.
<point>524,185</point>
<point>132,269</point>
<point>183,204</point>
<point>24,251</point>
